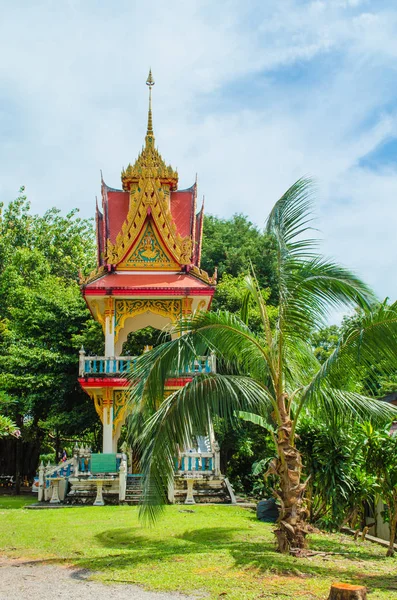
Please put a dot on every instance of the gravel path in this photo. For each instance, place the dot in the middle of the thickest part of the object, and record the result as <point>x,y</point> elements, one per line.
<point>35,581</point>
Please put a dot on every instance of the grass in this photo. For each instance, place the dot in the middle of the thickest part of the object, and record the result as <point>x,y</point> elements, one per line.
<point>220,550</point>
<point>7,502</point>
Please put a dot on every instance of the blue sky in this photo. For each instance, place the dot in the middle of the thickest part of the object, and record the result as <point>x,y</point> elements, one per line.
<point>251,96</point>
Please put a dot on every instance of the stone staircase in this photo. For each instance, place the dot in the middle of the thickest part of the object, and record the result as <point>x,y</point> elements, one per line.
<point>206,490</point>
<point>209,489</point>
<point>133,491</point>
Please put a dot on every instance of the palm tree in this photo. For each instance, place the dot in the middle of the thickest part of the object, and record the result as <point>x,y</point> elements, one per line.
<point>273,374</point>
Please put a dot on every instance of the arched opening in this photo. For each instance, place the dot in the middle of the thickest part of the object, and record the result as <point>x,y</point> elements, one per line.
<point>137,323</point>
<point>138,340</point>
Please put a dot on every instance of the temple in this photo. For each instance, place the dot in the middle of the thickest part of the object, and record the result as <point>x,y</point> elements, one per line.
<point>148,274</point>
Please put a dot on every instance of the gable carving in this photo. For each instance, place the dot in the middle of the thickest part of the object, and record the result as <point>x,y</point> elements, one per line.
<point>149,182</point>
<point>149,253</point>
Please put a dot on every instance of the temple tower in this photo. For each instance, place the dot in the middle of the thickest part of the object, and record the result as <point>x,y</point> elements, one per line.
<point>148,273</point>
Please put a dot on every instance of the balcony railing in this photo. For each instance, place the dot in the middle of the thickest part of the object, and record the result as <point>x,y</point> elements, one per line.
<point>195,461</point>
<point>124,365</point>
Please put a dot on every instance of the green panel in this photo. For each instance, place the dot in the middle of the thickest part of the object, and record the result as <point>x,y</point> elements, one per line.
<point>103,463</point>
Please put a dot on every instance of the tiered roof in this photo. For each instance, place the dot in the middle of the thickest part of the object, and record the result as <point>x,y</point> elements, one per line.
<point>149,225</point>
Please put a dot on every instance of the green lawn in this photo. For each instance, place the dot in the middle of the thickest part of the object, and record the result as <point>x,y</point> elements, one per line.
<point>219,550</point>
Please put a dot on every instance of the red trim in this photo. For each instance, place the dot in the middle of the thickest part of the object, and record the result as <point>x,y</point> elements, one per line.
<point>149,291</point>
<point>178,381</point>
<point>103,382</point>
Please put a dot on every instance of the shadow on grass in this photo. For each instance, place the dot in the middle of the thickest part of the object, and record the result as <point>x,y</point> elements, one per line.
<point>256,555</point>
<point>8,502</point>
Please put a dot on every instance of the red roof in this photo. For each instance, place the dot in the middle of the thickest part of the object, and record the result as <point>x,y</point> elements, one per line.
<point>118,204</point>
<point>182,209</point>
<point>115,206</point>
<point>158,283</point>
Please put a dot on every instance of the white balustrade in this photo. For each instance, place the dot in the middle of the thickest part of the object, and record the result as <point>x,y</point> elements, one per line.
<point>123,365</point>
<point>203,462</point>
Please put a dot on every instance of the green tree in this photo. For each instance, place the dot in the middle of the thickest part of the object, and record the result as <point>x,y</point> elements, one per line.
<point>381,456</point>
<point>7,427</point>
<point>44,320</point>
<point>231,245</point>
<point>275,375</point>
<point>324,342</point>
<point>231,295</point>
<point>339,483</point>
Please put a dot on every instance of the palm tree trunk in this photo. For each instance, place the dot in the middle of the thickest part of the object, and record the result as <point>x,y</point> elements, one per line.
<point>292,528</point>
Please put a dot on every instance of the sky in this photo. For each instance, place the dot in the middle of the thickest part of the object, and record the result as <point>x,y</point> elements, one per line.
<point>249,95</point>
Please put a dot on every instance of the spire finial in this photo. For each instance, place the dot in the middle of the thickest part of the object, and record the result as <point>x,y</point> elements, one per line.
<point>150,83</point>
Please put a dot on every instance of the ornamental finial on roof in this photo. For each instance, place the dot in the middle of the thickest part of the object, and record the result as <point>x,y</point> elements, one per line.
<point>150,83</point>
<point>149,164</point>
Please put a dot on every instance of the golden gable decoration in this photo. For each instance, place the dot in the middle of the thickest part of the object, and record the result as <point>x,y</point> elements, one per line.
<point>149,253</point>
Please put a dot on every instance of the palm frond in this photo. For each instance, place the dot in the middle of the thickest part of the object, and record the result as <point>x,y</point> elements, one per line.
<point>186,413</point>
<point>329,404</point>
<point>369,340</point>
<point>290,218</point>
<point>315,287</point>
<point>255,292</point>
<point>236,348</point>
<point>310,286</point>
<point>256,420</point>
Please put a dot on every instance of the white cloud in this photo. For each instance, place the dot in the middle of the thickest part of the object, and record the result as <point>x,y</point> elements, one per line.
<point>231,101</point>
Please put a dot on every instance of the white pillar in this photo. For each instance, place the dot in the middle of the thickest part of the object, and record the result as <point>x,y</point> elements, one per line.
<point>171,491</point>
<point>109,326</point>
<point>55,491</point>
<point>190,490</point>
<point>99,498</point>
<point>109,336</point>
<point>217,459</point>
<point>81,361</point>
<point>76,460</point>
<point>213,362</point>
<point>108,428</point>
<point>40,496</point>
<point>122,478</point>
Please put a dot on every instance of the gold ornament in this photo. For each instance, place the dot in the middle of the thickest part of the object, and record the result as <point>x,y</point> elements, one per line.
<point>119,407</point>
<point>132,308</point>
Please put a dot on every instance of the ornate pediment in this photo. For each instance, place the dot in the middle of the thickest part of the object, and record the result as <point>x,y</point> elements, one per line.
<point>149,253</point>
<point>149,195</point>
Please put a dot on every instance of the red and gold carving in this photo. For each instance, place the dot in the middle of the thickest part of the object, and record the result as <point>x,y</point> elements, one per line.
<point>107,402</point>
<point>109,311</point>
<point>187,306</point>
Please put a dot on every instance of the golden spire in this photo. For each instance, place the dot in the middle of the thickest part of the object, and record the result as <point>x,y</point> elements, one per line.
<point>150,83</point>
<point>149,164</point>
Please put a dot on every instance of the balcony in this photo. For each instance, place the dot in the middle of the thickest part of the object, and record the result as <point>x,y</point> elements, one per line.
<point>102,366</point>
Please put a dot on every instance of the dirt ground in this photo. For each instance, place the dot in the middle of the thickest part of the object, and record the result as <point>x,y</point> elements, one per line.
<point>32,580</point>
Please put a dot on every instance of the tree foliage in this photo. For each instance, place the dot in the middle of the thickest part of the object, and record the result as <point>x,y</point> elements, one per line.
<point>274,374</point>
<point>381,457</point>
<point>43,319</point>
<point>232,245</point>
